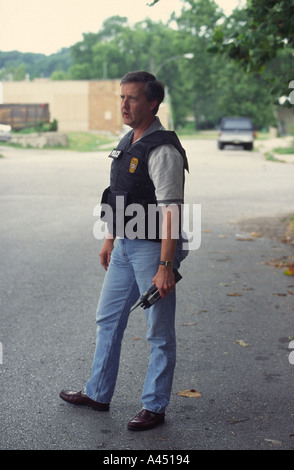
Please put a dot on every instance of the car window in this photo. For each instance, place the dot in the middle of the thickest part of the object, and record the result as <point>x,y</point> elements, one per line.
<point>237,124</point>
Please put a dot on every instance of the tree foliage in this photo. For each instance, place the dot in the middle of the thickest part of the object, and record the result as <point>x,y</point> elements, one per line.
<point>119,48</point>
<point>258,38</point>
<point>15,65</point>
<point>240,64</point>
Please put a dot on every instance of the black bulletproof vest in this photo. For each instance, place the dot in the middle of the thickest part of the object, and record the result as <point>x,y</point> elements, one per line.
<point>129,178</point>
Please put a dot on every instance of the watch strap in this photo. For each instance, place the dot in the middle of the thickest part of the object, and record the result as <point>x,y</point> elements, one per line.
<point>167,264</point>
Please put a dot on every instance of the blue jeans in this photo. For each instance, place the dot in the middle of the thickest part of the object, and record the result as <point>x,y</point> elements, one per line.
<point>133,265</point>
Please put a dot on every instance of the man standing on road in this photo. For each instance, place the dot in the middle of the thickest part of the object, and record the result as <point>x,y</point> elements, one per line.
<point>147,168</point>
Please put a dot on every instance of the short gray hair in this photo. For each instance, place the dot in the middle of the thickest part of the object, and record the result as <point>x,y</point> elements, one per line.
<point>154,89</point>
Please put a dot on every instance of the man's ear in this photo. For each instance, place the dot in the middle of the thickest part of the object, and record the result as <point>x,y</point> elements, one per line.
<point>152,105</point>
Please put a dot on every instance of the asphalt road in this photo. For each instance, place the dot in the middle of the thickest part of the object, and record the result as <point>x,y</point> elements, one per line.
<point>234,317</point>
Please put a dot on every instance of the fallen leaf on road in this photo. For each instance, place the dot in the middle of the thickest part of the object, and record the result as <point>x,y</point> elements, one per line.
<point>244,238</point>
<point>190,393</point>
<point>255,234</point>
<point>189,324</point>
<point>136,338</point>
<point>242,343</point>
<point>274,441</point>
<point>234,294</point>
<point>283,262</point>
<point>289,272</point>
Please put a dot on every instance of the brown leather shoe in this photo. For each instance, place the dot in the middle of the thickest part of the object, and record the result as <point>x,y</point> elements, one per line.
<point>145,420</point>
<point>79,398</point>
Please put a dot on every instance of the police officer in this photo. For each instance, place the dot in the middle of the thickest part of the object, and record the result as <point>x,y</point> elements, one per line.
<point>147,170</point>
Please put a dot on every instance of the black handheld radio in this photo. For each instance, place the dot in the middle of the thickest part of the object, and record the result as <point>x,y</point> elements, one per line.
<point>152,294</point>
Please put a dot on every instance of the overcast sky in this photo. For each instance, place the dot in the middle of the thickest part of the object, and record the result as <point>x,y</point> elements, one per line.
<point>46,26</point>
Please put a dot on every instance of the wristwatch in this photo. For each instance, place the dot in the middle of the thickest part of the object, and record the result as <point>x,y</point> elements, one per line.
<point>167,264</point>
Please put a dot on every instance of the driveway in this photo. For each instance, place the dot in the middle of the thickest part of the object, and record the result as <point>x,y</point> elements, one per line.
<point>234,320</point>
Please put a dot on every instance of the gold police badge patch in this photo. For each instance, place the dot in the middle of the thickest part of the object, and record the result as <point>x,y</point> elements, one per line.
<point>133,165</point>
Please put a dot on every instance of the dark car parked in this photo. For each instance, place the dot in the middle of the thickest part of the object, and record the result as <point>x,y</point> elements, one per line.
<point>236,131</point>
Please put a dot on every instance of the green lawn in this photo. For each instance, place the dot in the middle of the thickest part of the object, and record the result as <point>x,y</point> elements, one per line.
<point>284,150</point>
<point>88,142</point>
<point>95,141</point>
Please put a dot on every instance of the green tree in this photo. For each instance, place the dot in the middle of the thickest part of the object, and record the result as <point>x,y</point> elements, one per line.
<point>241,94</point>
<point>258,38</point>
<point>14,63</point>
<point>119,48</point>
<point>196,25</point>
<point>59,75</point>
<point>217,86</point>
<point>19,73</point>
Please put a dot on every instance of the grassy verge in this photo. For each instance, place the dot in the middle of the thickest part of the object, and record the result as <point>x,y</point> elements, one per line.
<point>284,151</point>
<point>95,141</point>
<point>193,134</point>
<point>275,153</point>
<point>78,142</point>
<point>270,157</point>
<point>189,132</point>
<point>88,142</point>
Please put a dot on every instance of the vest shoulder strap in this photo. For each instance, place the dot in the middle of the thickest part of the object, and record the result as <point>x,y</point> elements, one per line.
<point>161,137</point>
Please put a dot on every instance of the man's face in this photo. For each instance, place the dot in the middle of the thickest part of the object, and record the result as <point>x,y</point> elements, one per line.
<point>136,110</point>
